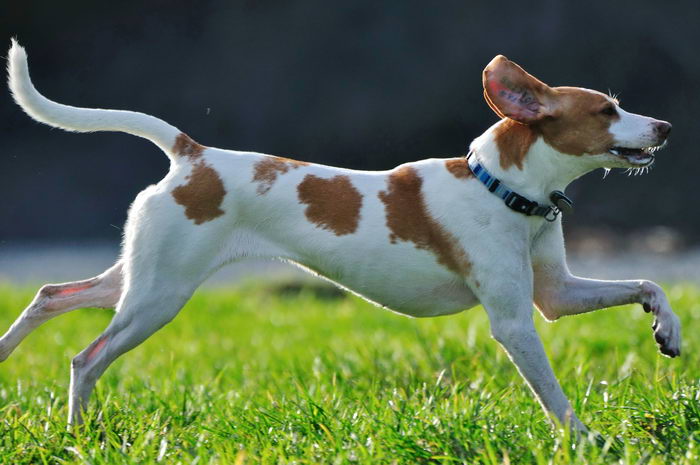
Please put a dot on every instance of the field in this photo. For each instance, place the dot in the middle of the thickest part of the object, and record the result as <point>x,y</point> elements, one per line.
<point>283,374</point>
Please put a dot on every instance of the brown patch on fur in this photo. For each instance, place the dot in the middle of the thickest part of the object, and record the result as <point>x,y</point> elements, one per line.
<point>333,204</point>
<point>202,195</point>
<point>459,168</point>
<point>511,92</point>
<point>266,171</point>
<point>186,147</point>
<point>578,126</point>
<point>408,219</point>
<point>513,140</point>
<point>570,119</point>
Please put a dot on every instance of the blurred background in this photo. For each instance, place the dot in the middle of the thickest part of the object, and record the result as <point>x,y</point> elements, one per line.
<point>360,84</point>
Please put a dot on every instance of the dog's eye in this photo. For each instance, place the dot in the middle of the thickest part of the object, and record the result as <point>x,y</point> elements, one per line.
<point>609,110</point>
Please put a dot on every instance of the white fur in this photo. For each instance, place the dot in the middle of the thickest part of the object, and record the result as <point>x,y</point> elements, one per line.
<point>632,130</point>
<point>81,119</point>
<point>514,259</point>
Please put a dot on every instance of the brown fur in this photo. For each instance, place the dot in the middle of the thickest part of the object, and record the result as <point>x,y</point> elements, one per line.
<point>266,171</point>
<point>408,219</point>
<point>578,126</point>
<point>568,118</point>
<point>186,147</point>
<point>333,204</point>
<point>513,140</point>
<point>459,168</point>
<point>511,92</point>
<point>202,195</point>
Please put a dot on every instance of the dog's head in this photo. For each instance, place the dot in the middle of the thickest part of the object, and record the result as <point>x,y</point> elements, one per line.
<point>572,120</point>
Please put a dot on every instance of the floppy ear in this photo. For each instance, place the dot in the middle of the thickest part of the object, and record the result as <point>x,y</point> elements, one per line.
<point>513,93</point>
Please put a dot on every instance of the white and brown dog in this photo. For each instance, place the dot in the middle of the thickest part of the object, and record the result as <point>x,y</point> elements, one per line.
<point>425,239</point>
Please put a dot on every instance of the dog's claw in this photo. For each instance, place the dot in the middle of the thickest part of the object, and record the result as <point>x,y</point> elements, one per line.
<point>667,337</point>
<point>670,352</point>
<point>659,340</point>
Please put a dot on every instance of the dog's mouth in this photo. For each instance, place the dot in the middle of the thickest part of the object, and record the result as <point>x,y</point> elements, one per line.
<point>636,156</point>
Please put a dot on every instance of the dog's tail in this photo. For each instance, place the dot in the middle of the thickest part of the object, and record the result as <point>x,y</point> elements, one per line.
<point>82,119</point>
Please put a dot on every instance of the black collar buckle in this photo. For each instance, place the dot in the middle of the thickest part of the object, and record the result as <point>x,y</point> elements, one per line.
<point>520,204</point>
<point>562,202</point>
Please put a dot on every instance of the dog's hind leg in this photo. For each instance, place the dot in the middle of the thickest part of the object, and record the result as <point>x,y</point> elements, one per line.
<point>146,306</point>
<point>55,299</point>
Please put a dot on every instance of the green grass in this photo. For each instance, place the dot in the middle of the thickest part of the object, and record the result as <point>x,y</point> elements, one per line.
<point>256,375</point>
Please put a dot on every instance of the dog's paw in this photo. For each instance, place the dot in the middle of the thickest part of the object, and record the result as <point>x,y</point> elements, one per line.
<point>667,332</point>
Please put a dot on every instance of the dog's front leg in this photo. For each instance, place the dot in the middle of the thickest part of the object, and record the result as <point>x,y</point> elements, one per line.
<point>508,302</point>
<point>558,293</point>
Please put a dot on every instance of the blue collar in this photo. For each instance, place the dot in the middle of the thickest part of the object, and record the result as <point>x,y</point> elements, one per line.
<point>515,201</point>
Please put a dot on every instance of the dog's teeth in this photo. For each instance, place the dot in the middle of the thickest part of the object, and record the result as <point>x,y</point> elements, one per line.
<point>615,151</point>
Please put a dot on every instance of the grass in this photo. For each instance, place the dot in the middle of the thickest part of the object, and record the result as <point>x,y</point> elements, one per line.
<point>283,375</point>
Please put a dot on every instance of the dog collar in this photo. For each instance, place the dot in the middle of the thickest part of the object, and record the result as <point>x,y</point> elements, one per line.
<point>517,202</point>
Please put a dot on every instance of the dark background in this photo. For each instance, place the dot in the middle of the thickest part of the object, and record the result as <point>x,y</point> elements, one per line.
<point>363,84</point>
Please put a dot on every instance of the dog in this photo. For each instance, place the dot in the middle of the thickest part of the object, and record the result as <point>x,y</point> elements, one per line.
<point>428,238</point>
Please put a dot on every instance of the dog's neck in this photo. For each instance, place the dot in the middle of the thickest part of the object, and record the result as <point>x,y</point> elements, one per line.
<point>518,156</point>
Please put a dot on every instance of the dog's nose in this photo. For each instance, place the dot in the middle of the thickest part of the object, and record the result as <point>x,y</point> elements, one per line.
<point>663,129</point>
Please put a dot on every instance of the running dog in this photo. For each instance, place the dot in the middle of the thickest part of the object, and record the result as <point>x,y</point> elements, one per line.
<point>428,238</point>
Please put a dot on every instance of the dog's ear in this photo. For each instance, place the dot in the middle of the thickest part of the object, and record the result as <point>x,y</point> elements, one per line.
<point>513,93</point>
